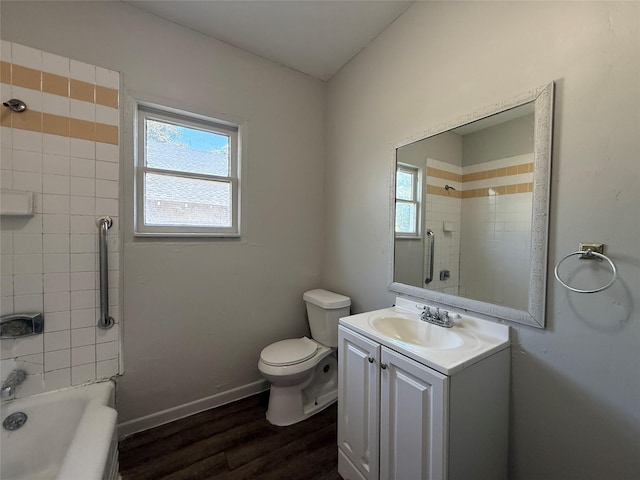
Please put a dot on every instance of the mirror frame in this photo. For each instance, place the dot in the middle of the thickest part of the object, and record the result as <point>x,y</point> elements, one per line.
<point>543,98</point>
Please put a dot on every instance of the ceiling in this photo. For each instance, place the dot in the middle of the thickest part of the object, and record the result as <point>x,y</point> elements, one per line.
<point>316,37</point>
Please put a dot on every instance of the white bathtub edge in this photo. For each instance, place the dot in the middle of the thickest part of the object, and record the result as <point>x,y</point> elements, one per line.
<point>181,411</point>
<point>96,429</point>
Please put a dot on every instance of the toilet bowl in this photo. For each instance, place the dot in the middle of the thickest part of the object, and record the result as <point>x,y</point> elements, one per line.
<point>303,372</point>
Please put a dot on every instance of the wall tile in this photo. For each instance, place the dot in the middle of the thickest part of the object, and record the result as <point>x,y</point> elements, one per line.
<point>27,181</point>
<point>83,224</point>
<point>107,152</point>
<point>26,161</point>
<point>57,302</point>
<point>57,359</point>
<point>55,243</point>
<point>82,205</point>
<point>25,264</point>
<point>55,223</point>
<point>83,262</point>
<point>49,261</point>
<point>83,355</point>
<point>58,204</point>
<point>82,149</point>
<point>27,345</point>
<point>107,78</point>
<point>26,56</point>
<point>107,368</point>
<point>55,64</point>
<point>26,140</point>
<point>83,317</point>
<point>83,281</point>
<point>57,379</point>
<point>27,243</point>
<point>55,144</point>
<point>82,167</point>
<point>83,336</point>
<point>57,321</point>
<point>56,263</point>
<point>57,340</point>
<point>27,303</point>
<point>82,71</point>
<point>56,282</point>
<point>106,351</point>
<point>83,373</point>
<point>56,164</point>
<point>27,284</point>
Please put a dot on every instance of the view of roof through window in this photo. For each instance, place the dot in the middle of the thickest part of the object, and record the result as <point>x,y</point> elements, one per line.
<point>173,199</point>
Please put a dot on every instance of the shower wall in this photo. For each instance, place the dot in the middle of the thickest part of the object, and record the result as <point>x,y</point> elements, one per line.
<point>496,240</point>
<point>65,150</point>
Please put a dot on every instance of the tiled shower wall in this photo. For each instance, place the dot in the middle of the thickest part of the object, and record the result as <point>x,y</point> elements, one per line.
<point>442,215</point>
<point>489,259</point>
<point>495,248</point>
<point>64,149</point>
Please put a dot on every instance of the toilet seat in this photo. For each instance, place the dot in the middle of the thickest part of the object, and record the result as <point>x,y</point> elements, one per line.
<point>288,352</point>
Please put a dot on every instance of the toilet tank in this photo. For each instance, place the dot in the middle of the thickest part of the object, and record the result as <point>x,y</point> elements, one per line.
<point>324,309</point>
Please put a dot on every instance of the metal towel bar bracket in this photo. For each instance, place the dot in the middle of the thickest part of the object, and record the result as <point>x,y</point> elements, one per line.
<point>587,252</point>
<point>105,321</point>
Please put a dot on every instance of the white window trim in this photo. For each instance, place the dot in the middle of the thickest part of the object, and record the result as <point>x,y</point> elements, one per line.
<point>417,190</point>
<point>171,115</point>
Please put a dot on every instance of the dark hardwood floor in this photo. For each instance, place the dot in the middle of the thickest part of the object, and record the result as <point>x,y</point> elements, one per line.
<point>234,442</point>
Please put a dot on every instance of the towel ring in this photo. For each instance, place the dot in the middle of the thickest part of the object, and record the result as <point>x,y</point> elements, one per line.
<point>587,253</point>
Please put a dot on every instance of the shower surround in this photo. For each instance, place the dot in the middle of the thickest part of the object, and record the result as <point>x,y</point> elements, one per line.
<point>65,150</point>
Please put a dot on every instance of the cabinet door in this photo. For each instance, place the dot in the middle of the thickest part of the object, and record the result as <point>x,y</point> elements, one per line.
<point>358,401</point>
<point>413,420</point>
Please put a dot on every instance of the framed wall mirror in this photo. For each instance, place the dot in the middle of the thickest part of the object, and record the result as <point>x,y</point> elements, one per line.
<point>470,205</point>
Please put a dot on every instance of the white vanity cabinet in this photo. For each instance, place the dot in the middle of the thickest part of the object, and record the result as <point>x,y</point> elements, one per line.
<point>399,419</point>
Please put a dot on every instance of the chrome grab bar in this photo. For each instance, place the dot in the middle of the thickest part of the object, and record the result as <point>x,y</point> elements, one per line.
<point>105,321</point>
<point>431,240</point>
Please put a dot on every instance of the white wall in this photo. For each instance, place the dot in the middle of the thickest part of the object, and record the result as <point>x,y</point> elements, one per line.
<point>576,384</point>
<point>197,313</point>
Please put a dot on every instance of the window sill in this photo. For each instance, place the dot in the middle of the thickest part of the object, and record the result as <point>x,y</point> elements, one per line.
<point>184,235</point>
<point>408,237</point>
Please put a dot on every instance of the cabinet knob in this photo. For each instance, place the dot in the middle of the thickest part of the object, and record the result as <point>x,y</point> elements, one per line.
<point>370,359</point>
<point>383,366</point>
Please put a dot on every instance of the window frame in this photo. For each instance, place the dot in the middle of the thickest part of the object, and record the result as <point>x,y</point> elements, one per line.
<point>416,174</point>
<point>189,120</point>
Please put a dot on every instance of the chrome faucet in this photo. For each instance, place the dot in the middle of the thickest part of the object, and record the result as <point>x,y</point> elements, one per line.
<point>439,317</point>
<point>14,379</point>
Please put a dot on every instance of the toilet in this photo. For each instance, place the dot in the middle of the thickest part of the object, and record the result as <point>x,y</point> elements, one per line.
<point>303,372</point>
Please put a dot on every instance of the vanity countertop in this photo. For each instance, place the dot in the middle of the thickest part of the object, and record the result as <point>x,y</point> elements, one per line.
<point>447,350</point>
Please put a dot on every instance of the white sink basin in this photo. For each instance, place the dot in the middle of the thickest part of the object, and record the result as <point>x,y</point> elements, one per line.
<point>418,332</point>
<point>446,350</point>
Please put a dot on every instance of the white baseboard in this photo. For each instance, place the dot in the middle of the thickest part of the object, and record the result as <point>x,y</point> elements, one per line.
<point>181,411</point>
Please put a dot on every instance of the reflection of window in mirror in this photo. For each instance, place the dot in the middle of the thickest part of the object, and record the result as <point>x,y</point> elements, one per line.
<point>408,200</point>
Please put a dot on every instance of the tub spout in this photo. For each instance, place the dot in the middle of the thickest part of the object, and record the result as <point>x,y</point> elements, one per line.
<point>9,386</point>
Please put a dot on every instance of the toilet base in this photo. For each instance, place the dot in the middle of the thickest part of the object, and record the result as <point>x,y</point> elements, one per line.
<point>289,405</point>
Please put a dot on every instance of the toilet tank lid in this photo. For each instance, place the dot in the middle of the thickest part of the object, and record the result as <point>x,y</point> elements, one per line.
<point>326,299</point>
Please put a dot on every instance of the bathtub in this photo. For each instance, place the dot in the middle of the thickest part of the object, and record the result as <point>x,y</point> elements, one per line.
<point>70,434</point>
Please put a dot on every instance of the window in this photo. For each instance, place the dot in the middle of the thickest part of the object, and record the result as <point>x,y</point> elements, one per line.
<point>407,201</point>
<point>187,174</point>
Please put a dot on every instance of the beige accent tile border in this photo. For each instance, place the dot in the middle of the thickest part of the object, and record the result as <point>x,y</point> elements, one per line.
<point>498,172</point>
<point>445,175</point>
<point>502,190</point>
<point>60,125</point>
<point>55,84</point>
<point>58,85</point>
<point>437,190</point>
